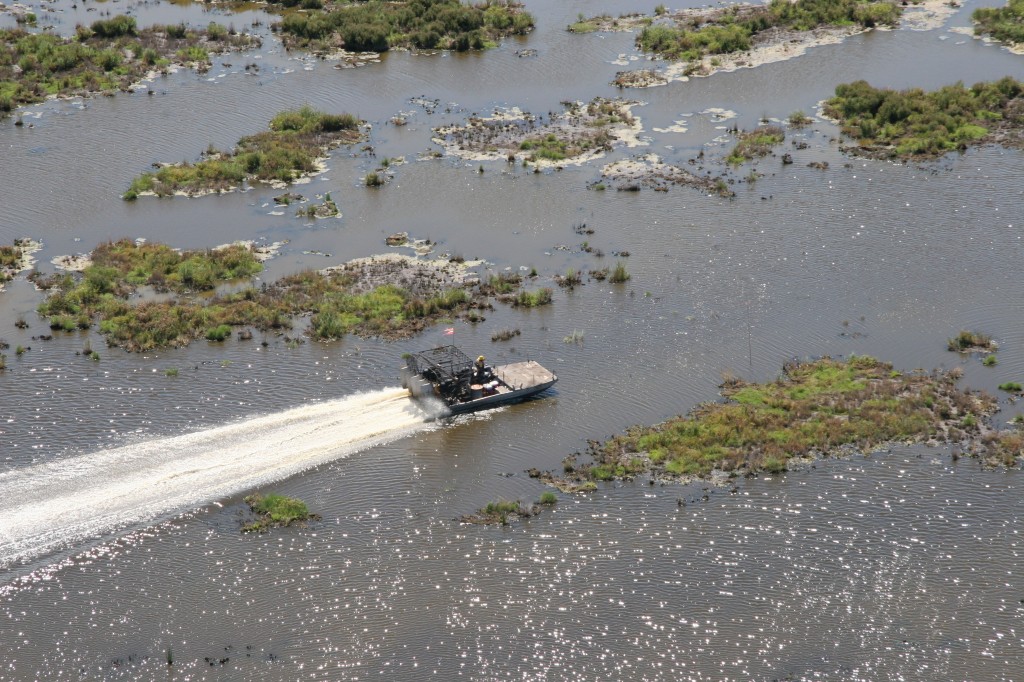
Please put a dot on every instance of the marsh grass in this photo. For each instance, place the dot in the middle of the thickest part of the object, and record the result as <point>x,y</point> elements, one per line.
<point>362,299</point>
<point>967,341</point>
<point>275,510</point>
<point>756,143</point>
<point>918,124</point>
<point>533,299</point>
<point>505,334</point>
<point>576,338</point>
<point>816,407</point>
<point>619,274</point>
<point>289,150</point>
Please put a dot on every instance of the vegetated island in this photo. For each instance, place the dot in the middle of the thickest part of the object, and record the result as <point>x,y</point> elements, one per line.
<point>390,296</point>
<point>275,511</point>
<point>380,25</point>
<point>294,147</point>
<point>971,342</point>
<point>580,133</point>
<point>1005,24</point>
<point>816,409</point>
<point>700,42</point>
<point>915,124</point>
<point>106,56</point>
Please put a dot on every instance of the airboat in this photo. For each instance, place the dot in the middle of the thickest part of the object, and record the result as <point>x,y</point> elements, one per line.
<point>449,375</point>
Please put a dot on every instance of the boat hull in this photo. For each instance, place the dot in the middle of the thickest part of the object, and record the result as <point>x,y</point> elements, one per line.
<point>491,401</point>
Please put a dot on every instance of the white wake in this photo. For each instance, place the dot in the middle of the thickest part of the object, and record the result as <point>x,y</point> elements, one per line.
<point>61,503</point>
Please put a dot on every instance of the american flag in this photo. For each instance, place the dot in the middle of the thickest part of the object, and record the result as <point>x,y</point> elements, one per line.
<point>450,331</point>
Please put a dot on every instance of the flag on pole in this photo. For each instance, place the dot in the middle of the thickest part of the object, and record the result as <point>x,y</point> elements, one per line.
<point>450,331</point>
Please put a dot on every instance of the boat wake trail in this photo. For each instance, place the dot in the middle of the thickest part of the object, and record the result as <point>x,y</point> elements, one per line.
<point>58,504</point>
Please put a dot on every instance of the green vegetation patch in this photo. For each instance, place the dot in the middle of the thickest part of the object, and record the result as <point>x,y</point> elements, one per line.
<point>286,152</point>
<point>500,512</point>
<point>275,511</point>
<point>379,25</point>
<point>1005,24</point>
<point>108,55</point>
<point>756,143</point>
<point>970,341</point>
<point>387,298</point>
<point>913,123</point>
<point>694,35</point>
<point>815,408</point>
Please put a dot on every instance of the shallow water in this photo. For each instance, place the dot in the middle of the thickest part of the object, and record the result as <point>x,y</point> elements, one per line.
<point>900,565</point>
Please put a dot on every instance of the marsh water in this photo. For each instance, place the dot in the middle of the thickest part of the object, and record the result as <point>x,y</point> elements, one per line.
<point>121,483</point>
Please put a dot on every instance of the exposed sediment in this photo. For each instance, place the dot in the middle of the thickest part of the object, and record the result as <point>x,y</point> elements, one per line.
<point>581,133</point>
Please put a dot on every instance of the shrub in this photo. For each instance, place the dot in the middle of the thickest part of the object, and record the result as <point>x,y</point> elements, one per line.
<point>115,27</point>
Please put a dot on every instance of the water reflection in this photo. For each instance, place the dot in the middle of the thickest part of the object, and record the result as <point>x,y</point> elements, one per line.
<point>901,565</point>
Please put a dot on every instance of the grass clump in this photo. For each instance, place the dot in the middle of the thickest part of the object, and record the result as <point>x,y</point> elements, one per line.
<point>619,274</point>
<point>218,333</point>
<point>505,334</point>
<point>275,510</point>
<point>500,512</point>
<point>1010,386</point>
<point>756,143</point>
<point>108,55</point>
<point>548,497</point>
<point>990,360</point>
<point>378,26</point>
<point>533,299</point>
<point>967,341</point>
<point>917,124</point>
<point>816,407</point>
<point>289,150</point>
<point>798,119</point>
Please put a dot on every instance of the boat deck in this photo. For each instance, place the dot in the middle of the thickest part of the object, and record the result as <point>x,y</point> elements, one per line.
<point>523,374</point>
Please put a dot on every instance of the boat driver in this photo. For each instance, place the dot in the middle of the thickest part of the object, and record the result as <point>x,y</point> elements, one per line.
<point>481,372</point>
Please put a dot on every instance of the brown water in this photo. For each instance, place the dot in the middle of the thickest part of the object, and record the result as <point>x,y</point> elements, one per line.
<point>120,502</point>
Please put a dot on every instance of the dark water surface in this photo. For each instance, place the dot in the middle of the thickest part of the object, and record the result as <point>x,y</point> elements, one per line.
<point>902,565</point>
